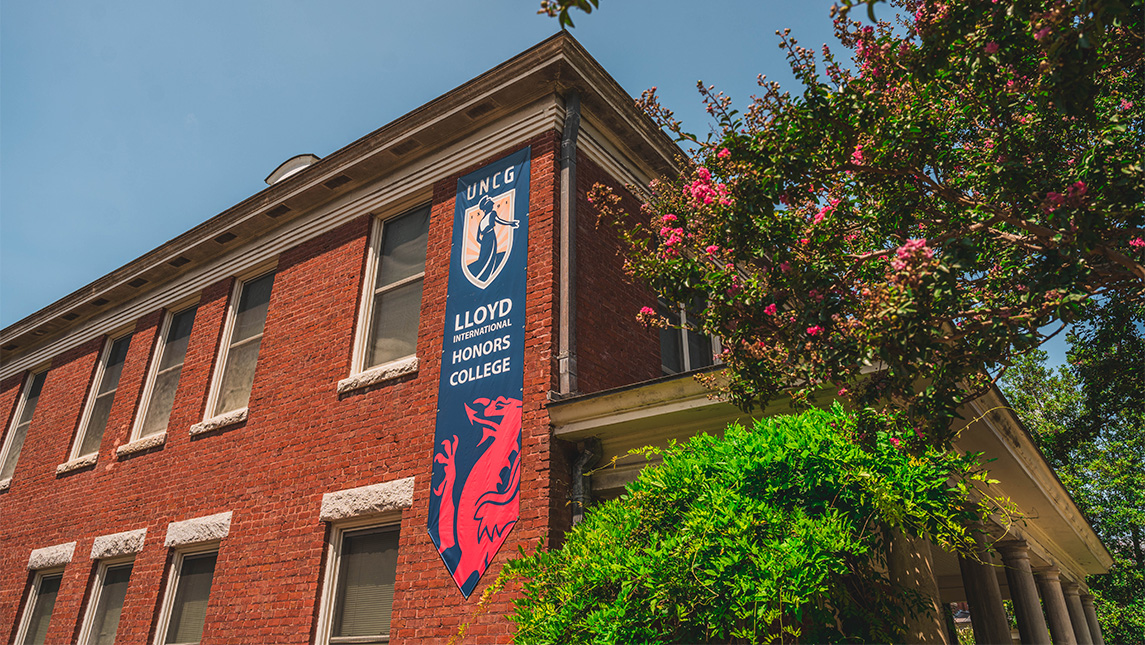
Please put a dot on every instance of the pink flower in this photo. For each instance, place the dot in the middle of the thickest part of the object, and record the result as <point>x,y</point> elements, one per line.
<point>911,250</point>
<point>991,48</point>
<point>669,218</point>
<point>814,330</point>
<point>804,241</point>
<point>784,267</point>
<point>1041,33</point>
<point>647,311</point>
<point>704,174</point>
<point>1137,243</point>
<point>770,310</point>
<point>1125,105</point>
<point>712,249</point>
<point>723,154</point>
<point>857,155</point>
<point>896,443</point>
<point>842,391</point>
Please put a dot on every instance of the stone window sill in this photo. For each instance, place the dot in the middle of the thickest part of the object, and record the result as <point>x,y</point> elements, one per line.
<point>76,464</point>
<point>380,374</point>
<point>139,445</point>
<point>220,421</point>
<point>5,483</point>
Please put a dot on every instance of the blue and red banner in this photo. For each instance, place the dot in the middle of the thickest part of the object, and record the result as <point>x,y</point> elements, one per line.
<point>474,496</point>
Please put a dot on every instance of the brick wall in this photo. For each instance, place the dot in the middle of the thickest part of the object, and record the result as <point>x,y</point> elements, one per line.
<point>301,439</point>
<point>612,348</point>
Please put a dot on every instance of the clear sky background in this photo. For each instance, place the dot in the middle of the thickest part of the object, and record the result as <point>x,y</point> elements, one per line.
<point>125,123</point>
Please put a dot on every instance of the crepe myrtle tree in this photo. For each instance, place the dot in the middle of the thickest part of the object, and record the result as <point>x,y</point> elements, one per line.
<point>924,209</point>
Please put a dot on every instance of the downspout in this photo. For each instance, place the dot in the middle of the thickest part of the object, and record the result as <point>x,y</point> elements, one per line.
<point>589,455</point>
<point>566,354</point>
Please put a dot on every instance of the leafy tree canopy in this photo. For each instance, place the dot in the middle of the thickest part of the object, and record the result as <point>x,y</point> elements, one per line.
<point>771,534</point>
<point>912,219</point>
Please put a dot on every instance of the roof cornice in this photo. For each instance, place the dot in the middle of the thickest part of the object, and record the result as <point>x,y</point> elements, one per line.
<point>553,66</point>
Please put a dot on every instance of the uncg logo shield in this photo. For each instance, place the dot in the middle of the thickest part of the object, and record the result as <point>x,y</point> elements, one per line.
<point>489,230</point>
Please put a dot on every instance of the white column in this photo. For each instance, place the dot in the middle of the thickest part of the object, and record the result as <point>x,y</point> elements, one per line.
<point>1091,619</point>
<point>1024,593</point>
<point>1076,613</point>
<point>1056,610</point>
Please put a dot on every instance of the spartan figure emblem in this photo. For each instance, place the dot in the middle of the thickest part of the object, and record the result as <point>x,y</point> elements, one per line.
<point>489,230</point>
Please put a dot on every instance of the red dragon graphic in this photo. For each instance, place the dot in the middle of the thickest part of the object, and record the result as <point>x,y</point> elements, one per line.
<point>489,504</point>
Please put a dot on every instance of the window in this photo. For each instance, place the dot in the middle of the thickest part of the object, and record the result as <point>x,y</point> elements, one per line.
<point>102,396</point>
<point>185,608</point>
<point>392,303</point>
<point>38,611</point>
<point>14,442</point>
<point>359,589</point>
<point>240,353</point>
<point>683,349</point>
<point>106,604</point>
<point>159,394</point>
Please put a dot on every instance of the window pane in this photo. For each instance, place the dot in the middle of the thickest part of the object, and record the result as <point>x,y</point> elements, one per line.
<point>114,367</point>
<point>250,316</point>
<point>162,397</point>
<point>403,247</point>
<point>395,319</point>
<point>175,345</point>
<point>699,343</point>
<point>671,344</point>
<point>33,397</point>
<point>109,606</point>
<point>42,606</point>
<point>699,350</point>
<point>20,431</point>
<point>96,423</point>
<point>366,576</point>
<point>13,454</point>
<point>189,609</point>
<point>238,376</point>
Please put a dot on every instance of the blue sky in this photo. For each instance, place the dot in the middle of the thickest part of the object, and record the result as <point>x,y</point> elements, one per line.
<point>123,124</point>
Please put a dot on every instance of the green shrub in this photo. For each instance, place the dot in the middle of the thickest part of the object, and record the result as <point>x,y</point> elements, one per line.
<point>771,534</point>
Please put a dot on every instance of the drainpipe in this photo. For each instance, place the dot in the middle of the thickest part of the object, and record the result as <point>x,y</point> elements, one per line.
<point>581,489</point>
<point>566,355</point>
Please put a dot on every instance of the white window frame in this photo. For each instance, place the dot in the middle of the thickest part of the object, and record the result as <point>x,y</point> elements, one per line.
<point>366,304</point>
<point>30,603</point>
<point>93,393</point>
<point>153,370</point>
<point>97,591</point>
<point>680,317</point>
<point>338,530</point>
<point>26,389</point>
<point>225,339</point>
<point>173,575</point>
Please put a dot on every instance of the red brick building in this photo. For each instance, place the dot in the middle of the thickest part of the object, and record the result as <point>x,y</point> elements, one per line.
<point>230,439</point>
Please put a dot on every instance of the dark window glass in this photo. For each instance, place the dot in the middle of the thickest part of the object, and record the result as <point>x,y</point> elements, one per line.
<point>242,352</point>
<point>20,430</point>
<point>104,397</point>
<point>42,605</point>
<point>189,608</point>
<point>397,288</point>
<point>171,354</point>
<point>109,604</point>
<point>365,585</point>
